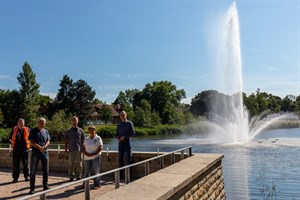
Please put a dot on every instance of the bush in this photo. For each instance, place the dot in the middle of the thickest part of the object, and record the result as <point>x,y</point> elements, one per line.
<point>106,131</point>
<point>109,131</point>
<point>4,134</point>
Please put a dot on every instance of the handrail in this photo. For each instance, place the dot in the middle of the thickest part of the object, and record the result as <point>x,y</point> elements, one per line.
<point>86,181</point>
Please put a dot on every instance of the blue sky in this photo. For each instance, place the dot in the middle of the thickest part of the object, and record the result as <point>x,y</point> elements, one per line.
<point>118,45</point>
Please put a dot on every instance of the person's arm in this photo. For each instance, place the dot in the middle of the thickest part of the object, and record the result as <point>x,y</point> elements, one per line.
<point>132,132</point>
<point>66,145</point>
<point>66,142</point>
<point>86,153</point>
<point>35,145</point>
<point>10,135</point>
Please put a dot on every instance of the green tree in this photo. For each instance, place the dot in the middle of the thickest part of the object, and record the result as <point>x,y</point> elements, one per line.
<point>84,97</point>
<point>75,98</point>
<point>163,96</point>
<point>65,96</point>
<point>29,91</point>
<point>58,125</point>
<point>105,113</point>
<point>288,103</point>
<point>142,114</point>
<point>1,118</point>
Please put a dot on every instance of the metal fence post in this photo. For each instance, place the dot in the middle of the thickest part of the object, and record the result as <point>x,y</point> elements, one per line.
<point>127,175</point>
<point>147,170</point>
<point>190,152</point>
<point>87,190</point>
<point>182,154</point>
<point>117,179</point>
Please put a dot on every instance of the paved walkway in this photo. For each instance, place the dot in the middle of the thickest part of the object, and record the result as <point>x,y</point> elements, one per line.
<point>9,190</point>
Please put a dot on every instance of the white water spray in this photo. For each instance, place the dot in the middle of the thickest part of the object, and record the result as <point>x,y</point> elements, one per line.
<point>230,121</point>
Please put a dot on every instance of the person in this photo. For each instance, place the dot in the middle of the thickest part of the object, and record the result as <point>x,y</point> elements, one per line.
<point>124,132</point>
<point>39,139</point>
<point>92,147</point>
<point>20,149</point>
<point>74,138</point>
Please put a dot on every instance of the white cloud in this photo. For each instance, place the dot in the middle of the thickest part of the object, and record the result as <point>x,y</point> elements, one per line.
<point>113,75</point>
<point>187,100</point>
<point>114,87</point>
<point>52,95</point>
<point>4,77</point>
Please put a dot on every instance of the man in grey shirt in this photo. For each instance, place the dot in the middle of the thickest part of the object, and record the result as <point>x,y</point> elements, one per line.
<point>74,142</point>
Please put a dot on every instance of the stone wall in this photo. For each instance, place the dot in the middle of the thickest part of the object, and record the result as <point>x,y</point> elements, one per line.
<point>58,161</point>
<point>197,177</point>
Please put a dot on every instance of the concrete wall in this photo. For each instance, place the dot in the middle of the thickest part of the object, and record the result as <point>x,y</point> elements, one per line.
<point>58,161</point>
<point>197,177</point>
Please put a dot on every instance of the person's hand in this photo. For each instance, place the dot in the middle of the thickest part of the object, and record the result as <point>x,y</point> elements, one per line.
<point>42,149</point>
<point>122,138</point>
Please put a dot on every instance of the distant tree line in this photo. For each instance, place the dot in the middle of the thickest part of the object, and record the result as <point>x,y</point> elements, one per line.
<point>255,103</point>
<point>157,103</point>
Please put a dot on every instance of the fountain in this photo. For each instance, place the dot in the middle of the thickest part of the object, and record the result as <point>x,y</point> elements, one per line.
<point>230,121</point>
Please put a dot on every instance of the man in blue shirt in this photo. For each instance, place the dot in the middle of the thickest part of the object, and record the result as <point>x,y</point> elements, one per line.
<point>125,131</point>
<point>39,140</point>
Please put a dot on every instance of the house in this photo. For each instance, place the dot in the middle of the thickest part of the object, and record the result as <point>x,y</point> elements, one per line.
<point>96,118</point>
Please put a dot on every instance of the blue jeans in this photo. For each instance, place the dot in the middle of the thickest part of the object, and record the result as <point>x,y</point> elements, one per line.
<point>92,167</point>
<point>35,158</point>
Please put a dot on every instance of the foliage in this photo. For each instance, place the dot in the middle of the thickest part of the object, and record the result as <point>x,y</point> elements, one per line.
<point>4,134</point>
<point>29,91</point>
<point>105,113</point>
<point>163,97</point>
<point>59,125</point>
<point>75,98</point>
<point>109,131</point>
<point>1,118</point>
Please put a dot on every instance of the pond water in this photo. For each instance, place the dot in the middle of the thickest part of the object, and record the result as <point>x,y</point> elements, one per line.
<point>268,167</point>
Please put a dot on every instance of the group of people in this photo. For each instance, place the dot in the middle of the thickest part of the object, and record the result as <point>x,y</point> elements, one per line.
<point>79,149</point>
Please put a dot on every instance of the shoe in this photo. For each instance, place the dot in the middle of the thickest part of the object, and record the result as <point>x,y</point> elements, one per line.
<point>78,178</point>
<point>26,179</point>
<point>81,187</point>
<point>15,181</point>
<point>46,188</point>
<point>71,179</point>
<point>31,192</point>
<point>96,187</point>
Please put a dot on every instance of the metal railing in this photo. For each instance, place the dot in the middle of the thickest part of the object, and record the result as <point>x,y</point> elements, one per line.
<point>116,172</point>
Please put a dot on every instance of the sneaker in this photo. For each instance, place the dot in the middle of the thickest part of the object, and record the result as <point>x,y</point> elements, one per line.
<point>15,181</point>
<point>31,192</point>
<point>26,179</point>
<point>71,179</point>
<point>96,187</point>
<point>81,187</point>
<point>46,188</point>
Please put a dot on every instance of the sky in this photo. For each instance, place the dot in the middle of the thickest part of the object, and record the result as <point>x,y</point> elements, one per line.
<point>119,45</point>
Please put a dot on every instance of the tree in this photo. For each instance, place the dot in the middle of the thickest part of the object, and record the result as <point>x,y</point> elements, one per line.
<point>105,113</point>
<point>65,96</point>
<point>163,96</point>
<point>29,91</point>
<point>75,98</point>
<point>83,102</point>
<point>288,103</point>
<point>58,125</point>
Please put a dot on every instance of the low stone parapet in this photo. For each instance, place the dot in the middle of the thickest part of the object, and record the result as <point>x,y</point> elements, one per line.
<point>197,177</point>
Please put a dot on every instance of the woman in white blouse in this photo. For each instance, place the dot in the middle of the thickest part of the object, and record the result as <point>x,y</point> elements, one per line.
<point>92,147</point>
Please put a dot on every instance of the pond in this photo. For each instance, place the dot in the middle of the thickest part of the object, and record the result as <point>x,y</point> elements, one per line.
<point>267,165</point>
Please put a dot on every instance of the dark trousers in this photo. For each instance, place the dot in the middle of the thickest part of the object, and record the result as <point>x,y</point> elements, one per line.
<point>35,158</point>
<point>124,156</point>
<point>17,158</point>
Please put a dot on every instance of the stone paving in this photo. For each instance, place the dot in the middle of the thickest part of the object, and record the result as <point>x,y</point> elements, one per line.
<point>9,190</point>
